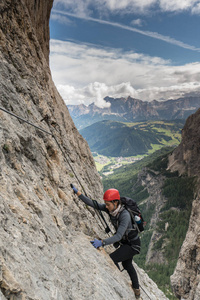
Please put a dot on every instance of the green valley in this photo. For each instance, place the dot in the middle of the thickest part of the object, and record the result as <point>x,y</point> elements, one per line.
<point>120,139</point>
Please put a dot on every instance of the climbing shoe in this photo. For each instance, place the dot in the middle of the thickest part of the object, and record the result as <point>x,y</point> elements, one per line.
<point>137,294</point>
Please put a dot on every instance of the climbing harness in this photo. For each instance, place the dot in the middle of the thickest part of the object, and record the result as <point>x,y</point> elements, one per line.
<point>98,212</point>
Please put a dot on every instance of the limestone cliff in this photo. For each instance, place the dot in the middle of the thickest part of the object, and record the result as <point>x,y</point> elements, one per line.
<point>39,12</point>
<point>45,253</point>
<point>153,182</point>
<point>186,158</point>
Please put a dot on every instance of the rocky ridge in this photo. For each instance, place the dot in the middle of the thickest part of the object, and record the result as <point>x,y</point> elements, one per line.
<point>153,181</point>
<point>133,110</point>
<point>45,250</point>
<point>185,159</point>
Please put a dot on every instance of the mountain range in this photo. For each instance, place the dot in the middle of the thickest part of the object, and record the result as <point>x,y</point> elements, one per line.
<point>131,110</point>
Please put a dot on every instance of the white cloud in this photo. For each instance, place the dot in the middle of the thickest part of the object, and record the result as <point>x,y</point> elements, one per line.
<point>105,7</point>
<point>178,5</point>
<point>60,18</point>
<point>85,74</point>
<point>127,6</point>
<point>96,92</point>
<point>137,22</point>
<point>83,64</point>
<point>196,9</point>
<point>80,7</point>
<point>84,8</point>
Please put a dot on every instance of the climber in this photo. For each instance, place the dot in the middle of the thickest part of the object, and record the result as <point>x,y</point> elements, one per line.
<point>126,239</point>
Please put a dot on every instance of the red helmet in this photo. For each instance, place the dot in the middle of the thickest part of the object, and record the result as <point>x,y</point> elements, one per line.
<point>111,194</point>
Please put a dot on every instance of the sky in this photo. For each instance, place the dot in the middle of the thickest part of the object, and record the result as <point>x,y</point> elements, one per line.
<point>146,49</point>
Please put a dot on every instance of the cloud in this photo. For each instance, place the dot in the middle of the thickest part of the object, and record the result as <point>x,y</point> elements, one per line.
<point>84,63</point>
<point>151,34</point>
<point>196,9</point>
<point>178,5</point>
<point>127,6</point>
<point>96,92</point>
<point>81,8</point>
<point>137,22</point>
<point>61,19</point>
<point>85,74</point>
<point>106,7</point>
<point>93,92</point>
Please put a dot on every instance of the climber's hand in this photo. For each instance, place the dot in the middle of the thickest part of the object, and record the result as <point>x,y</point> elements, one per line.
<point>96,243</point>
<point>74,188</point>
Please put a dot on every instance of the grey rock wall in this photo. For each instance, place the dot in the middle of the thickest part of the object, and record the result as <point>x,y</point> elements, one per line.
<point>153,182</point>
<point>186,278</point>
<point>185,159</point>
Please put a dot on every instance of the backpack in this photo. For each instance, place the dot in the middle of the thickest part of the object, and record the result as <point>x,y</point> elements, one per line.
<point>134,211</point>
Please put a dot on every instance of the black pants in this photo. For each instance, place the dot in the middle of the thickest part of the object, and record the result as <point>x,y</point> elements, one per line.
<point>125,255</point>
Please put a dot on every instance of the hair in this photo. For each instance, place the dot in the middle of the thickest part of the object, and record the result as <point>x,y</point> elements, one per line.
<point>118,202</point>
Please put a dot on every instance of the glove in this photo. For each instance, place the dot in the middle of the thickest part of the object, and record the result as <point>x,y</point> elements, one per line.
<point>96,243</point>
<point>74,189</point>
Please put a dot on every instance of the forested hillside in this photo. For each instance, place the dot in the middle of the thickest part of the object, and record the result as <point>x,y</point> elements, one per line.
<point>112,138</point>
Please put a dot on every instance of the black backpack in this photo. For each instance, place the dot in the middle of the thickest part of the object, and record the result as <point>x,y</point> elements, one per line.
<point>134,210</point>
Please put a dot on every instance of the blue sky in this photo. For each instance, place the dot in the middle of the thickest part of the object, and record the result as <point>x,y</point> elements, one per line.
<point>148,49</point>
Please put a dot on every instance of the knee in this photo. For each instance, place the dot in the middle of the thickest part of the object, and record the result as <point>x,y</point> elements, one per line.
<point>125,264</point>
<point>115,261</point>
<point>111,256</point>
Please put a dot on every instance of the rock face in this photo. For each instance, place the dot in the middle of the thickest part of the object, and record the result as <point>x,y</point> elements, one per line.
<point>39,12</point>
<point>156,198</point>
<point>186,158</point>
<point>45,232</point>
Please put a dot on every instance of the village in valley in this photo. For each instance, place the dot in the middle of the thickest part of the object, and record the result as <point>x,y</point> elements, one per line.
<point>112,163</point>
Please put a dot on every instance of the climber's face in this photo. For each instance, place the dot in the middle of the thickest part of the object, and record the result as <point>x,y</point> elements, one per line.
<point>111,205</point>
